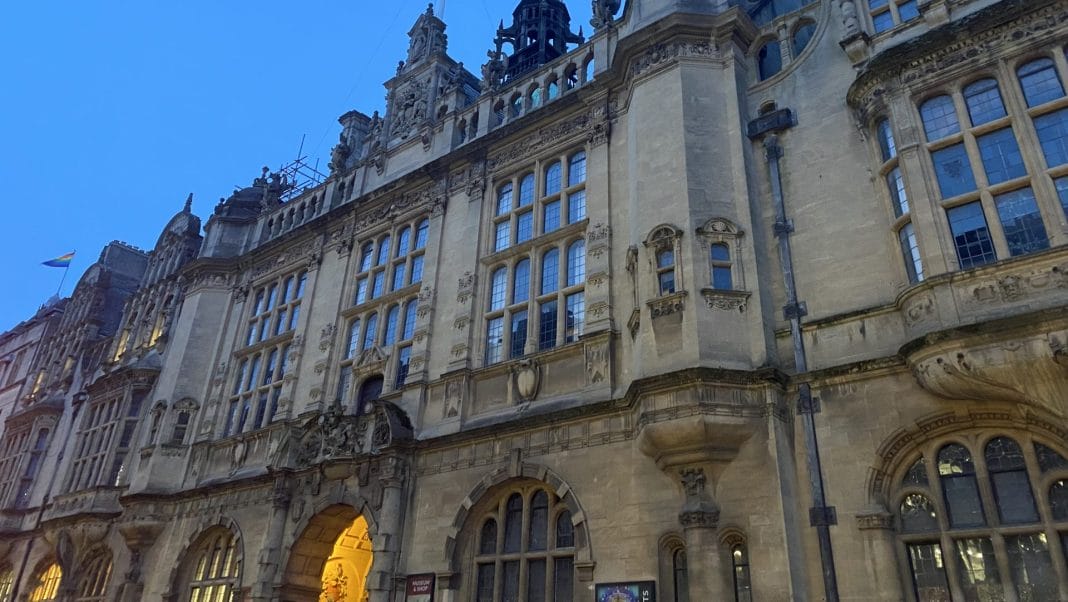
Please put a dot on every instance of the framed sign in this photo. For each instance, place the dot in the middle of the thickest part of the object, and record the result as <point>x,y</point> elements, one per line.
<point>632,591</point>
<point>420,588</point>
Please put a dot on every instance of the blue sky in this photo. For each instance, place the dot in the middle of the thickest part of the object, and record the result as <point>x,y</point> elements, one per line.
<point>112,112</point>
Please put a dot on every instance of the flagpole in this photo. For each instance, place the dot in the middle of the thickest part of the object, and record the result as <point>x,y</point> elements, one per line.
<point>64,278</point>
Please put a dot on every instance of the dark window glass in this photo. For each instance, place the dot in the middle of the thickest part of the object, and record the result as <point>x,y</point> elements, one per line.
<point>524,227</point>
<point>971,235</point>
<point>1031,567</point>
<point>513,523</point>
<point>565,531</point>
<point>743,588</point>
<point>538,537</point>
<point>802,36</point>
<point>563,579</point>
<point>404,362</point>
<point>984,101</point>
<point>1052,130</point>
<point>769,60</point>
<point>510,586</point>
<point>681,579</point>
<point>917,474</point>
<point>1001,156</point>
<point>576,172</point>
<point>550,271</point>
<point>547,326</point>
<point>928,572</point>
<point>1008,475</point>
<point>1062,193</point>
<point>1049,459</point>
<point>957,474</point>
<point>953,170</point>
<point>1058,499</point>
<point>939,118</point>
<point>485,582</point>
<point>488,539</point>
<point>1040,82</point>
<point>918,514</point>
<point>552,179</point>
<point>979,570</point>
<point>896,184</point>
<point>536,581</point>
<point>519,333</point>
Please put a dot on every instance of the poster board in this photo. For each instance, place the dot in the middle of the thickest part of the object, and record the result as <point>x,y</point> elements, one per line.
<point>629,591</point>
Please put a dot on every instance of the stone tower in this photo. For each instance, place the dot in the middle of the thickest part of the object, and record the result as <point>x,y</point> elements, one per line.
<point>540,32</point>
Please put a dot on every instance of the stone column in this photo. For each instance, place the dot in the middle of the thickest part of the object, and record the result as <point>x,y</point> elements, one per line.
<point>271,554</point>
<point>877,529</point>
<point>386,541</point>
<point>139,538</point>
<point>699,518</point>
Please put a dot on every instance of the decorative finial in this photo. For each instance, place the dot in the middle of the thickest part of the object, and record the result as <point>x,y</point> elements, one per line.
<point>188,203</point>
<point>430,9</point>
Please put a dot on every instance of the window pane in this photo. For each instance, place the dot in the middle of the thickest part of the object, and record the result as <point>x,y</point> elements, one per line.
<point>979,570</point>
<point>1062,192</point>
<point>563,580</point>
<point>911,251</point>
<point>417,270</point>
<point>720,252</point>
<point>953,170</point>
<point>536,581</point>
<point>526,190</point>
<point>421,233</point>
<point>513,523</point>
<point>404,240</point>
<point>361,291</point>
<point>1032,569</point>
<point>488,539</point>
<point>410,314</point>
<point>959,486</point>
<point>502,236</point>
<point>524,228</point>
<point>551,217</point>
<point>681,579</point>
<point>552,179</point>
<point>366,255</point>
<point>802,36</point>
<point>1049,459</point>
<point>1040,82</point>
<point>565,531</point>
<point>743,588</point>
<point>883,21</point>
<point>576,206</point>
<point>378,285</point>
<point>984,101</point>
<point>519,333</point>
<point>494,340</point>
<point>521,282</point>
<point>504,199</point>
<point>928,572</point>
<point>886,140</point>
<point>538,537</point>
<point>485,582</point>
<point>1001,156</point>
<point>1058,500</point>
<point>918,514</point>
<point>667,282</point>
<point>665,259</point>
<point>550,271</point>
<point>370,331</point>
<point>398,276</point>
<point>917,474</point>
<point>769,60</point>
<point>383,251</point>
<point>1052,129</point>
<point>576,263</point>
<point>547,326</point>
<point>1024,231</point>
<point>971,235</point>
<point>510,587</point>
<point>896,184</point>
<point>576,172</point>
<point>576,317</point>
<point>391,325</point>
<point>908,10</point>
<point>721,278</point>
<point>939,118</point>
<point>498,288</point>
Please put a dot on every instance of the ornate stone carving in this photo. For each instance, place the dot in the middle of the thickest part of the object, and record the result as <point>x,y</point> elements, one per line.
<point>454,397</point>
<point>667,305</point>
<point>465,287</point>
<point>410,109</point>
<point>726,300</point>
<point>666,53</point>
<point>699,511</point>
<point>493,71</point>
<point>326,337</point>
<point>526,378</point>
<point>872,521</point>
<point>596,363</point>
<point>604,12</point>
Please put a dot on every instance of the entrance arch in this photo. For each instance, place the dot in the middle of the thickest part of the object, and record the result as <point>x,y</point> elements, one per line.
<point>331,559</point>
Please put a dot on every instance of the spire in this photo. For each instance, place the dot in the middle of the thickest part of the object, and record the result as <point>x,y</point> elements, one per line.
<point>188,204</point>
<point>540,32</point>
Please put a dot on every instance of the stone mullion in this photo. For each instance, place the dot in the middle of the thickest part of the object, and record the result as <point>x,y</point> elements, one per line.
<point>597,295</point>
<point>426,302</point>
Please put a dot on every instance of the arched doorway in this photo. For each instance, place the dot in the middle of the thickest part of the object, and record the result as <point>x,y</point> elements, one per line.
<point>331,560</point>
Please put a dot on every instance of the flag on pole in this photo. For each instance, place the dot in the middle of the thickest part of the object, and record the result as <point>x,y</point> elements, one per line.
<point>63,261</point>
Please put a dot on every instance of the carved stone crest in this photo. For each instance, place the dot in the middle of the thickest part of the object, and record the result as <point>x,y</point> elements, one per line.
<point>526,378</point>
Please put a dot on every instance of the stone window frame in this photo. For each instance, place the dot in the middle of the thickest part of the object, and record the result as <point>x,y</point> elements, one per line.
<point>781,30</point>
<point>893,174</point>
<point>104,439</point>
<point>662,238</point>
<point>223,538</point>
<point>276,315</point>
<point>255,395</point>
<point>569,231</point>
<point>360,355</point>
<point>721,231</point>
<point>13,446</point>
<point>370,264</point>
<point>558,510</point>
<point>669,547</point>
<point>1038,176</point>
<point>186,409</point>
<point>994,530</point>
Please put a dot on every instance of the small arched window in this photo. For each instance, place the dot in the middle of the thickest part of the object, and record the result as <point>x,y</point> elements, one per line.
<point>984,101</point>
<point>769,59</point>
<point>370,332</point>
<point>353,344</point>
<point>1008,476</point>
<point>370,391</point>
<point>521,281</point>
<point>576,263</point>
<point>802,36</point>
<point>498,287</point>
<point>665,271</point>
<point>554,90</point>
<point>383,250</point>
<point>390,335</point>
<point>181,426</point>
<point>366,256</point>
<point>410,314</point>
<point>526,190</point>
<point>404,240</point>
<point>743,588</point>
<point>552,178</point>
<point>680,576</point>
<point>421,232</point>
<point>1040,82</point>
<point>550,271</point>
<point>957,475</point>
<point>213,567</point>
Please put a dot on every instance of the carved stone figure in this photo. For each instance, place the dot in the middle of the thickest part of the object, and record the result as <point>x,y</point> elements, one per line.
<point>604,12</point>
<point>410,109</point>
<point>339,155</point>
<point>493,71</point>
<point>850,21</point>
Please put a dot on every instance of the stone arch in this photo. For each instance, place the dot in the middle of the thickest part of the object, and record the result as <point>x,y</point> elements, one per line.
<point>494,481</point>
<point>313,543</point>
<point>899,449</point>
<point>180,571</point>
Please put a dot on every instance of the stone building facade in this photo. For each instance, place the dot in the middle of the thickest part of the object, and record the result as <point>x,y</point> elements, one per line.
<point>731,301</point>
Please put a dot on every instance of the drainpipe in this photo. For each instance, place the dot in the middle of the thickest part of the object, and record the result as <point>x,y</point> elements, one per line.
<point>821,516</point>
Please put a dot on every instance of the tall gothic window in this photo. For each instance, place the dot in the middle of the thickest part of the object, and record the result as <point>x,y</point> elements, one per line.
<point>536,294</point>
<point>276,308</point>
<point>525,549</point>
<point>34,457</point>
<point>46,583</point>
<point>104,440</point>
<point>743,587</point>
<point>982,521</point>
<point>7,583</point>
<point>212,571</point>
<point>12,448</point>
<point>95,576</point>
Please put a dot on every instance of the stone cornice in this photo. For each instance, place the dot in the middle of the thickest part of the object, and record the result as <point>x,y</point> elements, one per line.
<point>986,33</point>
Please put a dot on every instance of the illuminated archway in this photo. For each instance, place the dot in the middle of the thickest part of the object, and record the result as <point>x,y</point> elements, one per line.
<point>345,571</point>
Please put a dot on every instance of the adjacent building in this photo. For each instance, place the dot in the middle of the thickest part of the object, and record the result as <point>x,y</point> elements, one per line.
<point>729,301</point>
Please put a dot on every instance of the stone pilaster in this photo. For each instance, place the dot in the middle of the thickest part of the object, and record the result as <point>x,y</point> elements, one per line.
<point>699,518</point>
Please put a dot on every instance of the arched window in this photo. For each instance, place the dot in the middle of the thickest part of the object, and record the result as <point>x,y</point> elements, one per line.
<point>526,190</point>
<point>370,332</point>
<point>212,570</point>
<point>721,266</point>
<point>769,59</point>
<point>957,545</point>
<point>390,335</point>
<point>984,101</point>
<point>550,271</point>
<point>552,179</point>
<point>743,588</point>
<point>404,240</point>
<point>95,576</point>
<point>410,315</point>
<point>665,271</point>
<point>7,583</point>
<point>528,546</point>
<point>802,36</point>
<point>885,14</point>
<point>521,281</point>
<point>498,288</point>
<point>46,583</point>
<point>554,90</point>
<point>1040,82</point>
<point>576,263</point>
<point>680,576</point>
<point>370,391</point>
